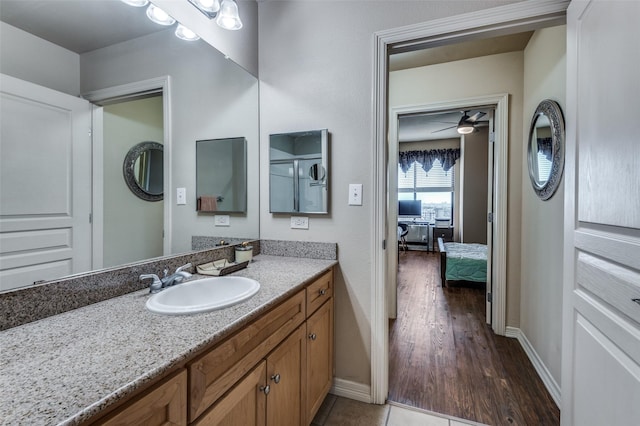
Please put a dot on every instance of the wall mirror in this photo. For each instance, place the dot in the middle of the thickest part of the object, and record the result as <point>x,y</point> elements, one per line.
<point>211,98</point>
<point>545,150</point>
<point>143,170</point>
<point>299,172</point>
<point>221,175</point>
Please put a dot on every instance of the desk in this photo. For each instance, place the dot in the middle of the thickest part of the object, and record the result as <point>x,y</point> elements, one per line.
<point>446,233</point>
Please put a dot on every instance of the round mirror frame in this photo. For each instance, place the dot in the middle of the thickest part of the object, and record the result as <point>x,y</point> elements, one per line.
<point>129,174</point>
<point>552,111</point>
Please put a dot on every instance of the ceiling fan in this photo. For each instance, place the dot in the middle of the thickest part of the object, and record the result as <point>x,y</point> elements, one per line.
<point>467,123</point>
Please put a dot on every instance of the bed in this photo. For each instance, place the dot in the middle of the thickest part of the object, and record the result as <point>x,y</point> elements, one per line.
<point>462,262</point>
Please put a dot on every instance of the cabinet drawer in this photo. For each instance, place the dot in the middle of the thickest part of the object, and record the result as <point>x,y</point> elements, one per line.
<point>165,404</point>
<point>319,291</point>
<point>215,372</point>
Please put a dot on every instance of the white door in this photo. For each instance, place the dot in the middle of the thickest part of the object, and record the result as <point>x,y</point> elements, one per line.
<point>45,183</point>
<point>601,313</point>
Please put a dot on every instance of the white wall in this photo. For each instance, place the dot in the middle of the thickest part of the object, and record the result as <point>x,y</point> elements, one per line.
<point>542,229</point>
<point>132,226</point>
<point>30,58</point>
<point>458,80</point>
<point>316,61</point>
<point>211,98</point>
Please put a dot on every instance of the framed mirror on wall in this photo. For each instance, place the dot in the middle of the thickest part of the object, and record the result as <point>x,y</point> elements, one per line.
<point>545,151</point>
<point>299,172</point>
<point>143,170</point>
<point>221,175</point>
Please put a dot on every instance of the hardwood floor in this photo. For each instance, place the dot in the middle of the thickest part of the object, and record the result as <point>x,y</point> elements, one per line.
<point>444,358</point>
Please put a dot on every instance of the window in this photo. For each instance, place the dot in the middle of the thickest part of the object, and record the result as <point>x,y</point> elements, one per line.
<point>434,189</point>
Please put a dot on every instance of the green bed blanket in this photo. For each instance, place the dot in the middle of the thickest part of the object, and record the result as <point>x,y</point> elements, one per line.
<point>466,262</point>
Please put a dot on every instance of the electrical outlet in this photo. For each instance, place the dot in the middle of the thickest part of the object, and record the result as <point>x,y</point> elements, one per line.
<point>355,194</point>
<point>181,196</point>
<point>221,220</point>
<point>299,222</point>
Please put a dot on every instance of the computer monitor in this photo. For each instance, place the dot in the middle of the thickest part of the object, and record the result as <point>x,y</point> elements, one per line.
<point>410,208</point>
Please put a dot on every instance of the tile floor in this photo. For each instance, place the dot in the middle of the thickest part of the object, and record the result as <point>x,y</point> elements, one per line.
<point>337,411</point>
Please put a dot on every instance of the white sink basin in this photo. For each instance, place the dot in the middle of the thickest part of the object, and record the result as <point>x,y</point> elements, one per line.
<point>203,295</point>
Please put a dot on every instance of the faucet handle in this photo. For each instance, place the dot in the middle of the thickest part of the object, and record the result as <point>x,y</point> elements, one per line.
<point>183,267</point>
<point>156,285</point>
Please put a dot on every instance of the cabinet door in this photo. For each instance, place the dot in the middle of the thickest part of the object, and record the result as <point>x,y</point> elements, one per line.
<point>165,404</point>
<point>244,405</point>
<point>319,357</point>
<point>285,377</point>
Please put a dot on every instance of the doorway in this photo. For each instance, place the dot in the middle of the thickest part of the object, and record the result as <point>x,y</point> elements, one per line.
<point>503,20</point>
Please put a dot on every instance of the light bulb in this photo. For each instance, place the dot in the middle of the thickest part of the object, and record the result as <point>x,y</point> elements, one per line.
<point>185,33</point>
<point>211,6</point>
<point>228,17</point>
<point>159,16</point>
<point>136,3</point>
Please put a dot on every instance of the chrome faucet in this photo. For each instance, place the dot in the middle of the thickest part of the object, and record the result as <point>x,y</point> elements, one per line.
<point>167,280</point>
<point>177,277</point>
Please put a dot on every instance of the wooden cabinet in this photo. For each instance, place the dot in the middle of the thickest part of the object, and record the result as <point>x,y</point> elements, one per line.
<point>165,404</point>
<point>244,404</point>
<point>274,371</point>
<point>319,357</point>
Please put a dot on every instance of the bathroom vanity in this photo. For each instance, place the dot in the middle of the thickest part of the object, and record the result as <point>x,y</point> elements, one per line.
<point>268,360</point>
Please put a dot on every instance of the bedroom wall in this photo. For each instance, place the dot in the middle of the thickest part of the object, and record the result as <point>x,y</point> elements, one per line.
<point>475,151</point>
<point>316,72</point>
<point>542,221</point>
<point>501,73</point>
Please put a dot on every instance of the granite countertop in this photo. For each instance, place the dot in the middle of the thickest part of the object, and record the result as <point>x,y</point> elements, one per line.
<point>66,368</point>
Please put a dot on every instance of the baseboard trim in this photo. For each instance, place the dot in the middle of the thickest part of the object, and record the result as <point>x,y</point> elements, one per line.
<point>541,369</point>
<point>351,390</point>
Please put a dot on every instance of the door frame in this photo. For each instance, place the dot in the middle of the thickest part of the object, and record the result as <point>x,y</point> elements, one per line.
<point>123,93</point>
<point>498,144</point>
<point>509,19</point>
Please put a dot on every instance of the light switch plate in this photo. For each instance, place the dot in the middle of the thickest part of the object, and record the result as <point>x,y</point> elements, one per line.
<point>181,196</point>
<point>299,222</point>
<point>221,220</point>
<point>355,194</point>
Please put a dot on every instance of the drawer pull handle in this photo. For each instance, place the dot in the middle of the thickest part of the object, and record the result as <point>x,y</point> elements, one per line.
<point>312,336</point>
<point>636,300</point>
<point>276,378</point>
<point>323,292</point>
<point>265,389</point>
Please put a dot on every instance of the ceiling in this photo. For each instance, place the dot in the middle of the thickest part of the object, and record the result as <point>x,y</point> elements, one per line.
<point>78,25</point>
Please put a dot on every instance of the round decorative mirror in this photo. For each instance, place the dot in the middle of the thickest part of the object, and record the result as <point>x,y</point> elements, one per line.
<point>143,170</point>
<point>545,151</point>
<point>316,172</point>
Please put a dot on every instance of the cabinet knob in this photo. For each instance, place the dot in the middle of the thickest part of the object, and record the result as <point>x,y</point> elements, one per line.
<point>312,336</point>
<point>276,378</point>
<point>265,389</point>
<point>323,292</point>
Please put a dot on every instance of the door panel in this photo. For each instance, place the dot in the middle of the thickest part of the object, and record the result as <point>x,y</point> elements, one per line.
<point>45,184</point>
<point>601,329</point>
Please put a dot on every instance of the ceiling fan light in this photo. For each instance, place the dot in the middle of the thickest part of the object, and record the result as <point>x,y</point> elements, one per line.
<point>159,16</point>
<point>136,3</point>
<point>465,128</point>
<point>228,17</point>
<point>185,33</point>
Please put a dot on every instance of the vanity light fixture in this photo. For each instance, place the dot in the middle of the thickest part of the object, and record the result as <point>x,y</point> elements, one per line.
<point>159,16</point>
<point>185,33</point>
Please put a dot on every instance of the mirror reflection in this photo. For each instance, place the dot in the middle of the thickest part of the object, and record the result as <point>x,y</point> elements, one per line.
<point>221,175</point>
<point>542,150</point>
<point>212,97</point>
<point>298,172</point>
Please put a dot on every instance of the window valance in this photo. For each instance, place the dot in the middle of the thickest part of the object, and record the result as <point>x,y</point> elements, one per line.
<point>447,158</point>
